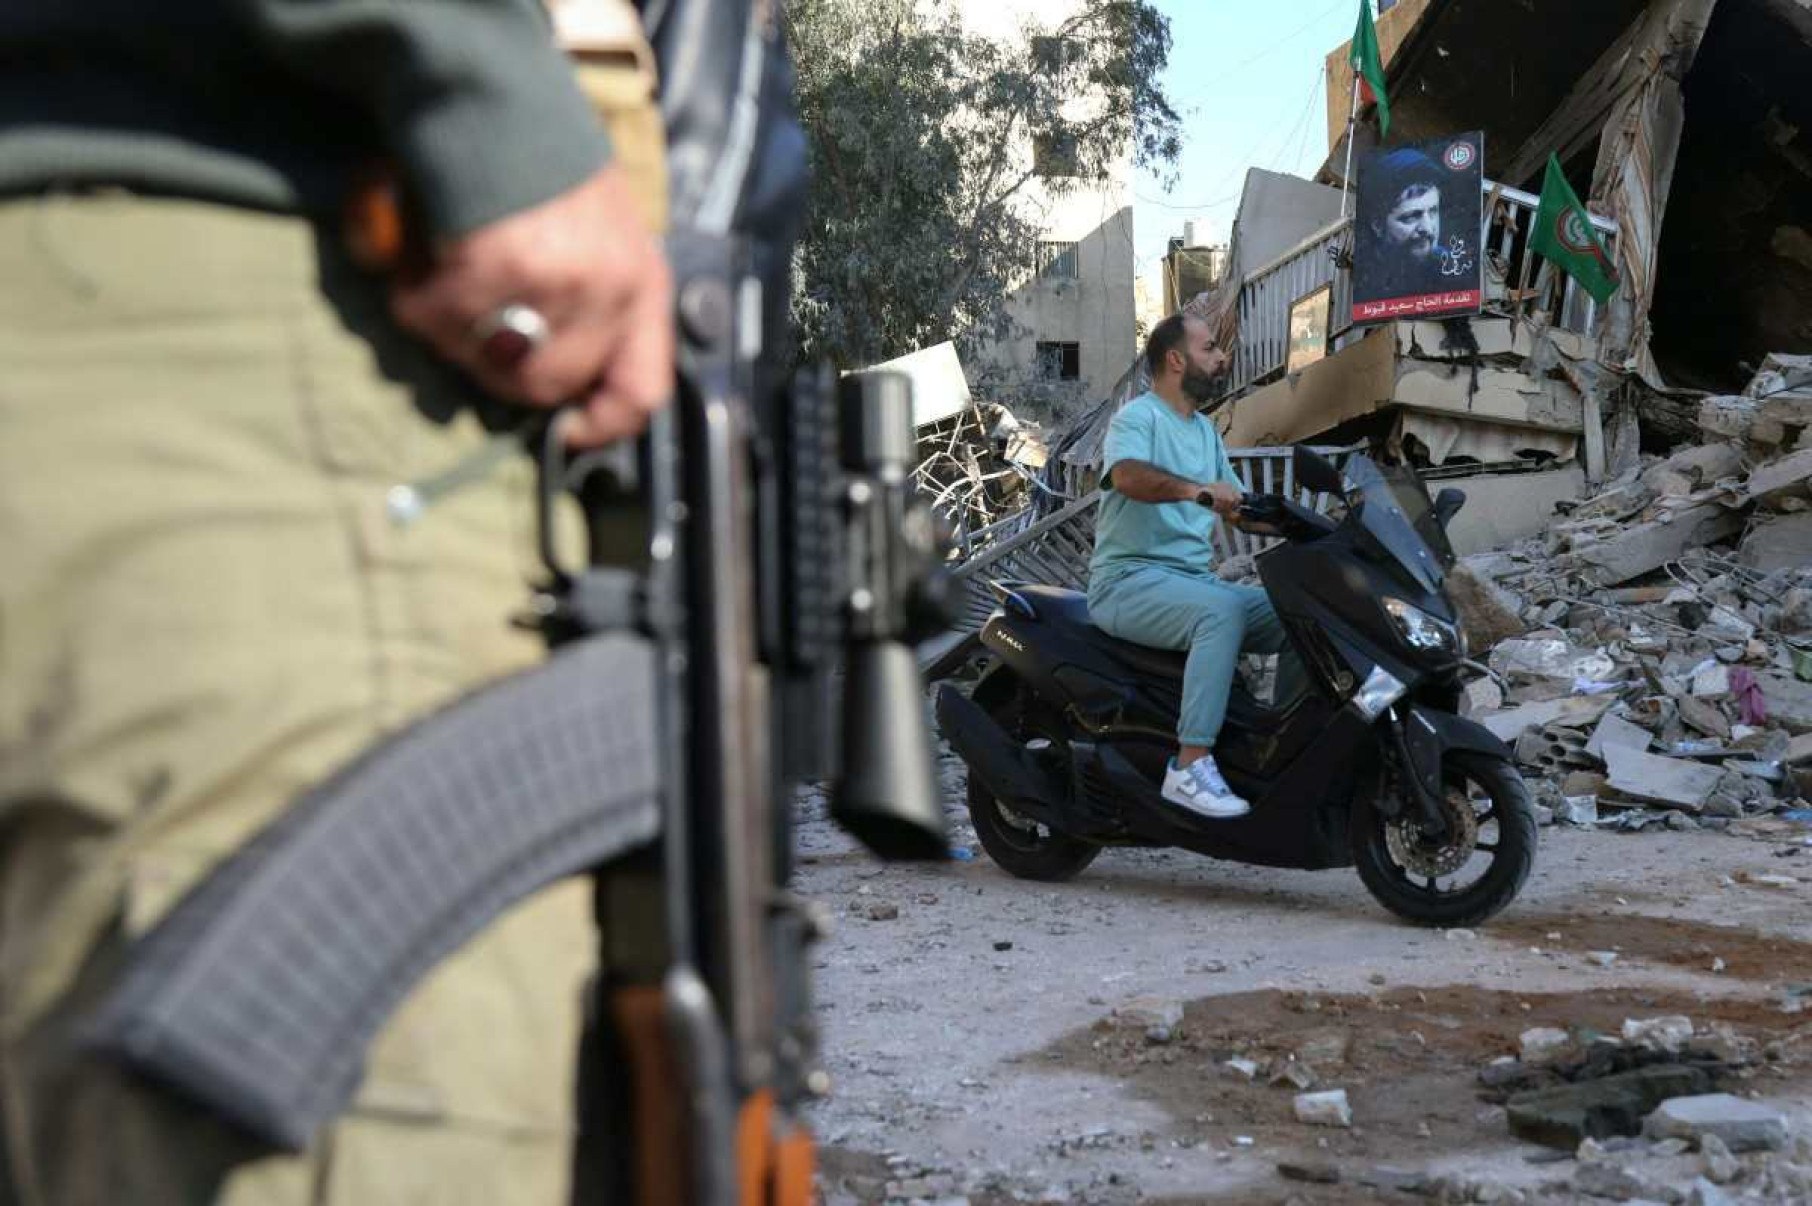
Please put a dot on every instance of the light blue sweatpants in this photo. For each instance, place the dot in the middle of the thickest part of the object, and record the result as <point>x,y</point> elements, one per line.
<point>1215,621</point>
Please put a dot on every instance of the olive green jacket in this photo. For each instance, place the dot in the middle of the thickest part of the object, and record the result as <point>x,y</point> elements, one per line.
<point>274,104</point>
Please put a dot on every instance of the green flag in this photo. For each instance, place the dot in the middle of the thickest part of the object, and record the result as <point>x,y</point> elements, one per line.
<point>1563,233</point>
<point>1369,67</point>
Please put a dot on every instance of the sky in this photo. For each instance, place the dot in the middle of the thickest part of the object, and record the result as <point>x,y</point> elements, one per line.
<point>1246,78</point>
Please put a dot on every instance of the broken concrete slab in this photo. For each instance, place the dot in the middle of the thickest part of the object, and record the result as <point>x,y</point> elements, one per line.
<point>1703,716</point>
<point>1480,697</point>
<point>1545,1045</point>
<point>1598,1109</point>
<point>1667,1033</point>
<point>1789,702</point>
<point>1555,659</point>
<point>1615,730</point>
<point>1799,750</point>
<point>1693,468</point>
<point>1654,779</point>
<point>1145,1012</point>
<point>1324,1109</point>
<point>1743,1125</point>
<point>1728,417</point>
<point>1711,682</point>
<point>1576,710</point>
<point>1782,542</point>
<point>1645,547</point>
<point>1788,477</point>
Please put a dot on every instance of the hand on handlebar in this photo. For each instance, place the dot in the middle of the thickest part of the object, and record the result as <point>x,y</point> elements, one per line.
<point>1222,497</point>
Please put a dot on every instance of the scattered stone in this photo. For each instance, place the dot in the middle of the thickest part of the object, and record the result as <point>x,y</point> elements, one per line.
<point>1612,1105</point>
<point>1328,1108</point>
<point>1615,730</point>
<point>1743,1125</point>
<point>1511,723</point>
<point>1643,547</point>
<point>1482,695</point>
<point>1602,958</point>
<point>1551,659</point>
<point>1668,1033</point>
<point>1312,1173</point>
<point>1704,716</point>
<point>1243,1067</point>
<point>1394,1180</point>
<point>1544,1046</point>
<point>1324,1047</point>
<point>1660,780</point>
<point>878,910</point>
<point>1579,810</point>
<point>1711,681</point>
<point>1788,700</point>
<point>1607,1179</point>
<point>1770,484</point>
<point>1703,1193</point>
<point>1146,1013</point>
<point>1720,1166</point>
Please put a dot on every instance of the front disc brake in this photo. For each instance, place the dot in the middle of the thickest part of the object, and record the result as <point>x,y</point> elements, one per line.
<point>1410,848</point>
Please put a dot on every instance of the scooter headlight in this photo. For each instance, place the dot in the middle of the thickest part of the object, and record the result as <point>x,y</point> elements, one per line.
<point>1422,630</point>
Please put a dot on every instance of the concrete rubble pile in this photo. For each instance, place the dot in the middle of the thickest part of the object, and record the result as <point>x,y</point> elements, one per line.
<point>1670,1110</point>
<point>1650,656</point>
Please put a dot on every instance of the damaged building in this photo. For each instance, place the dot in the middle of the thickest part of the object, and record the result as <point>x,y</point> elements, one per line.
<point>1691,121</point>
<point>1693,124</point>
<point>1636,574</point>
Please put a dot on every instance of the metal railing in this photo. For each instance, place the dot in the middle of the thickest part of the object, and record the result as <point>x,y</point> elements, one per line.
<point>1516,215</point>
<point>1055,551</point>
<point>1263,345</point>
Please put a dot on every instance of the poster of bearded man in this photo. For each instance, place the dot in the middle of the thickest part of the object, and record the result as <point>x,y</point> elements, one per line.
<point>1416,239</point>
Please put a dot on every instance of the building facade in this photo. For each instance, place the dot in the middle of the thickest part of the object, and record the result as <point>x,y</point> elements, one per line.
<point>1077,316</point>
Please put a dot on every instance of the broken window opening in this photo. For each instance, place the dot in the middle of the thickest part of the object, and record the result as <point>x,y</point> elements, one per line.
<point>1051,53</point>
<point>1059,361</point>
<point>1057,260</point>
<point>1054,155</point>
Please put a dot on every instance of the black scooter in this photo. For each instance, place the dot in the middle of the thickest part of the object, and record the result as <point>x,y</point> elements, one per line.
<point>1068,730</point>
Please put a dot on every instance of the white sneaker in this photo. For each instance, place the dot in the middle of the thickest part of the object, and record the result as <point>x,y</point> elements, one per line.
<point>1200,788</point>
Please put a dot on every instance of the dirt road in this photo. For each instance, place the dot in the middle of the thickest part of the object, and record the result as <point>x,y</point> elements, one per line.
<point>969,1024</point>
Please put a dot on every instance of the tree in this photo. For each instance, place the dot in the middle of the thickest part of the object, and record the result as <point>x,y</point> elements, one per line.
<point>924,139</point>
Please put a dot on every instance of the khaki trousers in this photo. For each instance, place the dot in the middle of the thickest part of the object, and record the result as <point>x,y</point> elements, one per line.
<point>204,609</point>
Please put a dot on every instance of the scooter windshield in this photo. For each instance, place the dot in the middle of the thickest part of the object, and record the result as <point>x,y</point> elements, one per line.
<point>1380,512</point>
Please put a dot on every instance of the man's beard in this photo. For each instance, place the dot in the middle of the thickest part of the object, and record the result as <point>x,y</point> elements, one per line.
<point>1198,386</point>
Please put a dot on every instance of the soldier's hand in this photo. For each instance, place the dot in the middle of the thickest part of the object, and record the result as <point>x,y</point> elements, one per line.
<point>586,263</point>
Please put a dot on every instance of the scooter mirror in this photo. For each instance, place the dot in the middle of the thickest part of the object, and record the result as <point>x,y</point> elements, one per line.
<point>1314,472</point>
<point>1447,504</point>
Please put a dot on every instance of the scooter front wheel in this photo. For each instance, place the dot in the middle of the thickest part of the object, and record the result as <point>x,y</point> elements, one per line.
<point>1470,873</point>
<point>1019,845</point>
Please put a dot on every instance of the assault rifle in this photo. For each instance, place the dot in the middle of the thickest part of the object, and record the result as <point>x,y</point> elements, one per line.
<point>756,573</point>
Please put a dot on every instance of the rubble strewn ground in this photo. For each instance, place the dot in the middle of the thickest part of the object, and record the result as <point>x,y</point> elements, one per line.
<point>1147,1032</point>
<point>1637,1027</point>
<point>1650,655</point>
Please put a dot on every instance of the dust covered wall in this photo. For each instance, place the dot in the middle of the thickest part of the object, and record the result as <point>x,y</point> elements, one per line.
<point>1735,259</point>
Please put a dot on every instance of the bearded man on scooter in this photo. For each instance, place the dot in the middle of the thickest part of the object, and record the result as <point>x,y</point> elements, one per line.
<point>1167,481</point>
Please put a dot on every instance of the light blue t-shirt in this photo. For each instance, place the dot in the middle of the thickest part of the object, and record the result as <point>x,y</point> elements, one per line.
<point>1175,535</point>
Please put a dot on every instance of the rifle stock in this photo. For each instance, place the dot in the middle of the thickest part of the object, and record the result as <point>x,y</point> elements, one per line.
<point>258,995</point>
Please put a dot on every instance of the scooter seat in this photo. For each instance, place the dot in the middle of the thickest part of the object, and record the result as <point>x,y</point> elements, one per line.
<point>1057,605</point>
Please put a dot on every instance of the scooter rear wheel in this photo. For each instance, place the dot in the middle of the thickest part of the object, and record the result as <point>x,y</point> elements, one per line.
<point>1019,845</point>
<point>1484,862</point>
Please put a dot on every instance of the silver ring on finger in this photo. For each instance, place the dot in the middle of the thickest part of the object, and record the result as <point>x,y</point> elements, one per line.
<point>509,334</point>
